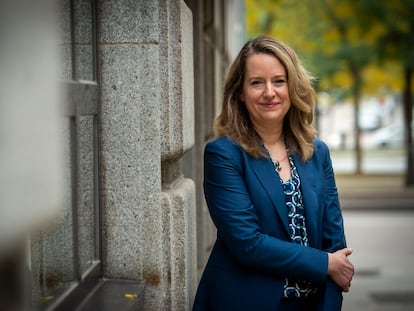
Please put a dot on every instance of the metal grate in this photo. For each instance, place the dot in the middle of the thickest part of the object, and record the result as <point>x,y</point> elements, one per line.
<point>369,272</point>
<point>400,297</point>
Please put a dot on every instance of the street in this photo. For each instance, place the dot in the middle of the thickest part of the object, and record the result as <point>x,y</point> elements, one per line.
<point>383,256</point>
<point>382,161</point>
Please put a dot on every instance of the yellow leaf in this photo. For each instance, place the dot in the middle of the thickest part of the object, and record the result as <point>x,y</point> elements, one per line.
<point>130,296</point>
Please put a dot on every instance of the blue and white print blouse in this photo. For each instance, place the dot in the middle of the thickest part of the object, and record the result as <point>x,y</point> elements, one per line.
<point>297,230</point>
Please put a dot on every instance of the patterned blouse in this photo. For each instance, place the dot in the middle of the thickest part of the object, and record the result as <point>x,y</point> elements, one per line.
<point>297,230</point>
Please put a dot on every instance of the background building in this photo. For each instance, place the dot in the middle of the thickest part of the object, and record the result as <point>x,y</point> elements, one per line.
<point>115,204</point>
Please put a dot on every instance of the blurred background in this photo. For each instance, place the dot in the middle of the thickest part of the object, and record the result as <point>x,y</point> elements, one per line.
<point>362,54</point>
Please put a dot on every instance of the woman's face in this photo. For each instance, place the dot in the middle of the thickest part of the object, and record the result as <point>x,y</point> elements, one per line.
<point>265,90</point>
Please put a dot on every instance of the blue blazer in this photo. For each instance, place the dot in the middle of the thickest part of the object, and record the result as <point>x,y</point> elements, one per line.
<point>253,253</point>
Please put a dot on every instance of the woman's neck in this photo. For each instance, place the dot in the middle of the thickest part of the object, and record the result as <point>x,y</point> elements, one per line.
<point>271,137</point>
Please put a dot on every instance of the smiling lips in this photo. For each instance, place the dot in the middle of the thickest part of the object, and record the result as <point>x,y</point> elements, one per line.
<point>270,104</point>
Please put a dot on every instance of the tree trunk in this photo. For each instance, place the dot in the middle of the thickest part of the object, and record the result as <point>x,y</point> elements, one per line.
<point>407,101</point>
<point>357,95</point>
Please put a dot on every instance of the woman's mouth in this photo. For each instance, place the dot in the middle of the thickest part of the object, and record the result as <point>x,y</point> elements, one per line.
<point>270,104</point>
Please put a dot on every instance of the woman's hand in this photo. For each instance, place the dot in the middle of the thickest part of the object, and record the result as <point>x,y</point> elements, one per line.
<point>340,268</point>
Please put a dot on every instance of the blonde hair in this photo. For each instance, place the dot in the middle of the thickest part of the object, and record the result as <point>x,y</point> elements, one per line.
<point>234,120</point>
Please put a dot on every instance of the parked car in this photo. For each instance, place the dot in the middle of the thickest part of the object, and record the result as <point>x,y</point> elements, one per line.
<point>340,141</point>
<point>369,117</point>
<point>387,137</point>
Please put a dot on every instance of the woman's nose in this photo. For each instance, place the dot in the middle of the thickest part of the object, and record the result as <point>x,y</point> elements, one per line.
<point>269,90</point>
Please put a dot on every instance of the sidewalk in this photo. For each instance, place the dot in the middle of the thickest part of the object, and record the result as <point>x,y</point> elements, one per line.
<point>372,191</point>
<point>382,256</point>
<point>379,213</point>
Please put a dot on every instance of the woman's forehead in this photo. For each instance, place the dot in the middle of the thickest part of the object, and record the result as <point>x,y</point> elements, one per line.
<point>257,64</point>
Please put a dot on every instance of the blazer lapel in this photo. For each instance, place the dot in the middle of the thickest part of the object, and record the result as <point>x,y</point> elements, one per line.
<point>308,179</point>
<point>270,181</point>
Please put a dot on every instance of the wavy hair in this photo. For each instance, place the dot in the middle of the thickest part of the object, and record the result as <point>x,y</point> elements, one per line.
<point>234,120</point>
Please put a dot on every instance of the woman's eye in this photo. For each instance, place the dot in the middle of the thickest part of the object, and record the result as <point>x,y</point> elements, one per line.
<point>279,81</point>
<point>256,83</point>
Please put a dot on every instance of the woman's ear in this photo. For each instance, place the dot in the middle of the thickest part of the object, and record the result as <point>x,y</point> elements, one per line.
<point>241,97</point>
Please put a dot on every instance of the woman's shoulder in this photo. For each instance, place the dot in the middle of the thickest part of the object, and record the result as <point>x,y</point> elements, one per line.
<point>222,142</point>
<point>321,151</point>
<point>320,146</point>
<point>224,145</point>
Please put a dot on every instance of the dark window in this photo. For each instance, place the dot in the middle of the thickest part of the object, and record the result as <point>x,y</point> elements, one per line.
<point>65,255</point>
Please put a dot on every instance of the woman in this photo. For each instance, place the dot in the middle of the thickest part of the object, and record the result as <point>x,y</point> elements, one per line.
<point>271,193</point>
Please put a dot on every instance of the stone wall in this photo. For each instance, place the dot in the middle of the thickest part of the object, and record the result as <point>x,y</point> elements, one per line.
<point>139,108</point>
<point>146,77</point>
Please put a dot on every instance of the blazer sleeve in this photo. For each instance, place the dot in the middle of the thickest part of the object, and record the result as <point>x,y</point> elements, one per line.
<point>235,218</point>
<point>333,227</point>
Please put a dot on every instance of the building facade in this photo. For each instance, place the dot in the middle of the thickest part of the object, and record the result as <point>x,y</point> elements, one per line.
<point>141,83</point>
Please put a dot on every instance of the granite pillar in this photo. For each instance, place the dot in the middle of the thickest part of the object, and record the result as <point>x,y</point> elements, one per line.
<point>145,74</point>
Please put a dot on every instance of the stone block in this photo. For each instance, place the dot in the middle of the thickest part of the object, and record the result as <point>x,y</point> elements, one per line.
<point>130,156</point>
<point>129,21</point>
<point>176,65</point>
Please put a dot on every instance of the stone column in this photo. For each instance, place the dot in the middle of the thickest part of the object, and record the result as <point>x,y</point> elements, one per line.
<point>145,74</point>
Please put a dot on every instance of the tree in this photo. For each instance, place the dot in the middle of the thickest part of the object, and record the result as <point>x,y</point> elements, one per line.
<point>354,50</point>
<point>396,43</point>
